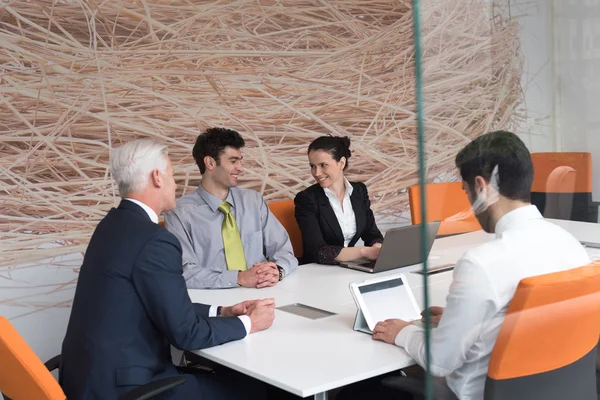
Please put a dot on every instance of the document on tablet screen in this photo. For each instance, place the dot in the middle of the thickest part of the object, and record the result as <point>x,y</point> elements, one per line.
<point>388,299</point>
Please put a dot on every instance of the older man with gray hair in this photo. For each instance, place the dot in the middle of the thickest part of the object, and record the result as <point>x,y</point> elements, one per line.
<point>131,303</point>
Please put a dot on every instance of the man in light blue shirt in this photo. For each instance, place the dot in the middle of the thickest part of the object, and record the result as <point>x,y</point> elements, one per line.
<point>228,235</point>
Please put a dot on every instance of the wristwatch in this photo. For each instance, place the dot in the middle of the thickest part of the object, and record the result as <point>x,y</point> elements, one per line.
<point>281,272</point>
<point>219,311</point>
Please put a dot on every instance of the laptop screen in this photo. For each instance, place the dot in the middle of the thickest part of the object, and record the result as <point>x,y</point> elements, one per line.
<point>402,246</point>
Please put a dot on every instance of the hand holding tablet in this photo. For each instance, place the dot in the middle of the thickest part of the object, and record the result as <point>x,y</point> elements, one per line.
<point>386,331</point>
<point>382,299</point>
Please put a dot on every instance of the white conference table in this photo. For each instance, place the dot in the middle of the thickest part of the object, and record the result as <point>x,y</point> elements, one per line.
<point>310,357</point>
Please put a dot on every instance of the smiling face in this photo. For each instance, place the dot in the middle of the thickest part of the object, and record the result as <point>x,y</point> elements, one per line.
<point>226,172</point>
<point>325,169</point>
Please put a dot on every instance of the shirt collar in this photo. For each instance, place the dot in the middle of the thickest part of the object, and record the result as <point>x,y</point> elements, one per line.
<point>213,201</point>
<point>517,216</point>
<point>148,210</point>
<point>347,185</point>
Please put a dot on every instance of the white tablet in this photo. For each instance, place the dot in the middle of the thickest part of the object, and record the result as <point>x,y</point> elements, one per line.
<point>384,298</point>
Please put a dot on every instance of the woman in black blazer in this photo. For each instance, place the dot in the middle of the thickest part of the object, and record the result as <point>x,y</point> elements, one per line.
<point>334,213</point>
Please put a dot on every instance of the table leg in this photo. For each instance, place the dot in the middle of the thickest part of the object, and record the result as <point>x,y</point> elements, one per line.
<point>321,396</point>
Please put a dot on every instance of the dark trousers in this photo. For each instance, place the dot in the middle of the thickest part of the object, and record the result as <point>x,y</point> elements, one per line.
<point>218,384</point>
<point>373,388</point>
<point>233,381</point>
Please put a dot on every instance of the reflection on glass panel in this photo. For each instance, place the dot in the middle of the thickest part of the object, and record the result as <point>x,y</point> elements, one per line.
<point>515,213</point>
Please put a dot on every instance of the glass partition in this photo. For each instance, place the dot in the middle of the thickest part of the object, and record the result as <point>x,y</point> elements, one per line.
<point>531,68</point>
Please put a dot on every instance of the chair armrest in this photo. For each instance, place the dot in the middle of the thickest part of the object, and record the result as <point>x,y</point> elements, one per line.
<point>152,389</point>
<point>595,207</point>
<point>53,363</point>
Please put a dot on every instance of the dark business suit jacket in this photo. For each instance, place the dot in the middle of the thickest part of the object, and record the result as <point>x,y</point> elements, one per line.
<point>322,236</point>
<point>130,305</point>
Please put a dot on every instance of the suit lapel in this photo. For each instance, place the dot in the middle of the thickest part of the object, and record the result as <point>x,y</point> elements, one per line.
<point>359,214</point>
<point>329,214</point>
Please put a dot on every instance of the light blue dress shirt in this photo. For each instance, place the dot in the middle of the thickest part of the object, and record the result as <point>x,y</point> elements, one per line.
<point>197,224</point>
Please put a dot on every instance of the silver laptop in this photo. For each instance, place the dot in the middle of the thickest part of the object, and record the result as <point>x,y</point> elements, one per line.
<point>401,248</point>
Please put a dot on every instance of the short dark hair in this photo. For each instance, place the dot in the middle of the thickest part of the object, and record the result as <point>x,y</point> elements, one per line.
<point>337,146</point>
<point>212,143</point>
<point>508,152</point>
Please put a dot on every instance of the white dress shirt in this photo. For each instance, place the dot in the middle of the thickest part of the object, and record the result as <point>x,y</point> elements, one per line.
<point>212,312</point>
<point>345,215</point>
<point>484,282</point>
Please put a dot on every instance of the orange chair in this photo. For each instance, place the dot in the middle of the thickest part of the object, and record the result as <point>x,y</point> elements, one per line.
<point>546,347</point>
<point>162,223</point>
<point>284,212</point>
<point>562,186</point>
<point>446,202</point>
<point>24,376</point>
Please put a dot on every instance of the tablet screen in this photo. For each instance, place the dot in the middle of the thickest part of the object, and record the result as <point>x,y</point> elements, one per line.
<point>388,299</point>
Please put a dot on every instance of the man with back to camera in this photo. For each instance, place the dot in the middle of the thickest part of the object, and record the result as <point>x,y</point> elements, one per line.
<point>497,174</point>
<point>131,303</point>
<point>228,235</point>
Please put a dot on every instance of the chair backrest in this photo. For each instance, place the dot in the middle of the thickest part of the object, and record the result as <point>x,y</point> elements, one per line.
<point>562,186</point>
<point>284,212</point>
<point>22,373</point>
<point>161,223</point>
<point>545,164</point>
<point>446,202</point>
<point>546,347</point>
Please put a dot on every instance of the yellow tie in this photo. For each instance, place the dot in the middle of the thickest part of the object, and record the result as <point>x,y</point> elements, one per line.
<point>232,242</point>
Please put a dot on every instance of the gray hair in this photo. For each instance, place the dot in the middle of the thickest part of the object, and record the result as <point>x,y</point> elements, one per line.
<point>132,163</point>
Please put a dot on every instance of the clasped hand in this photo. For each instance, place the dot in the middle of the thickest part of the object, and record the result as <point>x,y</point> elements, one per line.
<point>261,312</point>
<point>261,275</point>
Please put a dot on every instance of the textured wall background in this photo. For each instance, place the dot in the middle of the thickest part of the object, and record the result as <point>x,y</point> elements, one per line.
<point>78,77</point>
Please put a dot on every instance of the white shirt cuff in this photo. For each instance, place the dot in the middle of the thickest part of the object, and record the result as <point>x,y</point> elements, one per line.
<point>403,335</point>
<point>212,312</point>
<point>247,323</point>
